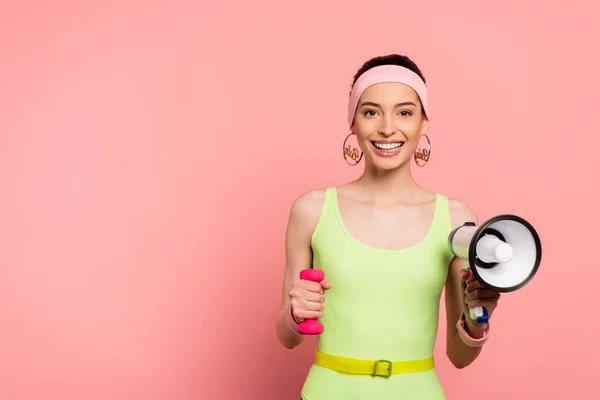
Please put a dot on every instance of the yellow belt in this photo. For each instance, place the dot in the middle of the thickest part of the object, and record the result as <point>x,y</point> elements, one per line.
<point>382,368</point>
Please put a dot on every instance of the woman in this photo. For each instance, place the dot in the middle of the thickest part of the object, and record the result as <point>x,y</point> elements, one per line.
<point>381,241</point>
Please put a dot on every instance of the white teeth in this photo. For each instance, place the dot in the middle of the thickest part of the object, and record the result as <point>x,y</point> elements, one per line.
<point>388,146</point>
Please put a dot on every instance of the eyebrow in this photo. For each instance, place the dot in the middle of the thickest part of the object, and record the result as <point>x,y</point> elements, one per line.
<point>370,103</point>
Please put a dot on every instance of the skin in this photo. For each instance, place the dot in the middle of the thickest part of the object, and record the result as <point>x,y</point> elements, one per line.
<point>384,197</point>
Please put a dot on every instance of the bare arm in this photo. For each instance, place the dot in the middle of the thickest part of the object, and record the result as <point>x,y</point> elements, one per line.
<point>459,353</point>
<point>304,216</point>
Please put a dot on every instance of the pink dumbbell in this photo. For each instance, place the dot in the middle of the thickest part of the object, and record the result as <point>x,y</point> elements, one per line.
<point>311,326</point>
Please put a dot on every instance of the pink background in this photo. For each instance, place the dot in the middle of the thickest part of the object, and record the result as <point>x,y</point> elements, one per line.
<point>150,151</point>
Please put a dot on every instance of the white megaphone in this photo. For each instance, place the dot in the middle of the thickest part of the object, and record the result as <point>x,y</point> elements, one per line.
<point>503,253</point>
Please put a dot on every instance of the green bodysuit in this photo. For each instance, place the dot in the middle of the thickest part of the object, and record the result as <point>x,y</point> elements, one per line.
<point>383,304</point>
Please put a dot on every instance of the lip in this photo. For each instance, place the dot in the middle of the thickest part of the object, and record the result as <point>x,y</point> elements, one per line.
<point>384,153</point>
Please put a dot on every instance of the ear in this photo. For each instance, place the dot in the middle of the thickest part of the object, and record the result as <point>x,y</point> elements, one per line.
<point>424,125</point>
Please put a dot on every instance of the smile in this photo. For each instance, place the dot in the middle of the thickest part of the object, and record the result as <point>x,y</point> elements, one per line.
<point>387,146</point>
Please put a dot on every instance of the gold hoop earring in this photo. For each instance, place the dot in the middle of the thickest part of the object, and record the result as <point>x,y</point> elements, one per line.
<point>351,152</point>
<point>423,154</point>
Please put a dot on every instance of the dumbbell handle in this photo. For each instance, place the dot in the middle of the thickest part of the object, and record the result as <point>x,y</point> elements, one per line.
<point>311,326</point>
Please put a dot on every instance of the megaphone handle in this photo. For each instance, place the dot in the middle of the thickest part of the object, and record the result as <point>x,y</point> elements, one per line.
<point>478,314</point>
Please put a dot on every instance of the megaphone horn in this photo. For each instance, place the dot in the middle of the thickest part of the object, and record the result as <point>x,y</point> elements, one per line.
<point>503,253</point>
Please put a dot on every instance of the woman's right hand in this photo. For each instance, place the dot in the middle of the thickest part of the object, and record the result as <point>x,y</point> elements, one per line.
<point>307,298</point>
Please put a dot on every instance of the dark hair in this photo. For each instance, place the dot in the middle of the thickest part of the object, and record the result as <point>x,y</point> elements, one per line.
<point>390,59</point>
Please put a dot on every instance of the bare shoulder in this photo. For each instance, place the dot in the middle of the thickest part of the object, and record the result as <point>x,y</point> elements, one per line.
<point>460,212</point>
<point>309,204</point>
<point>306,209</point>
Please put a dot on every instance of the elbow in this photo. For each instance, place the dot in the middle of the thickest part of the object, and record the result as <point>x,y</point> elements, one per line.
<point>454,361</point>
<point>289,345</point>
<point>459,355</point>
<point>457,362</point>
<point>287,338</point>
<point>459,365</point>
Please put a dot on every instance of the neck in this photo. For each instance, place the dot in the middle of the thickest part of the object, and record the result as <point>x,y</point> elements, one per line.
<point>386,186</point>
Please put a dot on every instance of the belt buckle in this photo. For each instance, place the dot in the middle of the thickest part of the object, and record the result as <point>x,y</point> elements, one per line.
<point>389,368</point>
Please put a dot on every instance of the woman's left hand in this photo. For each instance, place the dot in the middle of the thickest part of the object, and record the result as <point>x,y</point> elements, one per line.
<point>476,295</point>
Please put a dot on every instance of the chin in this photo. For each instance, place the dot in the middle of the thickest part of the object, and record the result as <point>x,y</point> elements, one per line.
<point>389,166</point>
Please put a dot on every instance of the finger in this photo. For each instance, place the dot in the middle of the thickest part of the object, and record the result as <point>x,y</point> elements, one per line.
<point>306,314</point>
<point>483,294</point>
<point>471,279</point>
<point>299,291</point>
<point>310,286</point>
<point>464,274</point>
<point>300,314</point>
<point>325,284</point>
<point>471,286</point>
<point>299,304</point>
<point>303,308</point>
<point>312,296</point>
<point>312,305</point>
<point>490,305</point>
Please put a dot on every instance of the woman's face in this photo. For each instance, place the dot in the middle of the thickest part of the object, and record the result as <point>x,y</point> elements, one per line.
<point>388,124</point>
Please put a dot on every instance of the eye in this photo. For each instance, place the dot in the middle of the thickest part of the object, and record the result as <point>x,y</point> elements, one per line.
<point>405,113</point>
<point>370,113</point>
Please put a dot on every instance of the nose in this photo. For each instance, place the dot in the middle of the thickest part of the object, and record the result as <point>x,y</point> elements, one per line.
<point>387,127</point>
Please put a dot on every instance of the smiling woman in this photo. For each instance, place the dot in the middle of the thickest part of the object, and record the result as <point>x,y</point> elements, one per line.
<point>381,242</point>
<point>389,116</point>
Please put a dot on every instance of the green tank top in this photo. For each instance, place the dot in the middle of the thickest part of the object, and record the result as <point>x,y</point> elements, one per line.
<point>383,304</point>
